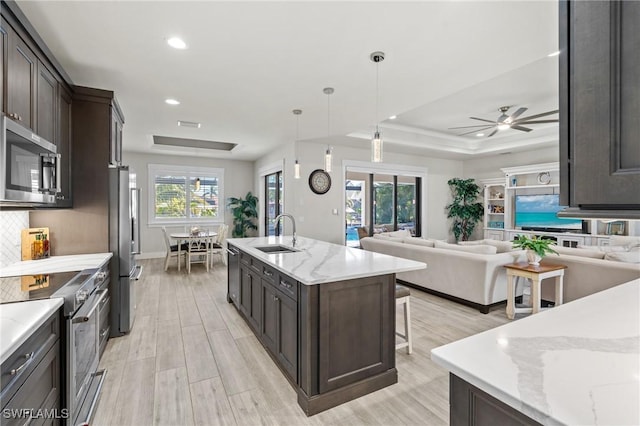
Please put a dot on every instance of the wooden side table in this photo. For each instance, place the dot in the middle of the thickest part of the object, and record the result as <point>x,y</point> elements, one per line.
<point>536,274</point>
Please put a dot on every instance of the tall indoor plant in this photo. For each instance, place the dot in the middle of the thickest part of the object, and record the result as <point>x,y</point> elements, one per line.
<point>245,213</point>
<point>465,211</point>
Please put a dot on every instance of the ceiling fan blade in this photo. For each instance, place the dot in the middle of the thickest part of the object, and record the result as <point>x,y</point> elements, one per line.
<point>538,115</point>
<point>521,128</point>
<point>518,113</point>
<point>492,133</point>
<point>468,127</point>
<point>536,121</point>
<point>475,131</point>
<point>483,119</point>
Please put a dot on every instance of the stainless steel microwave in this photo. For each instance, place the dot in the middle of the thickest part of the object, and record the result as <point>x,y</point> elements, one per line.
<point>30,166</point>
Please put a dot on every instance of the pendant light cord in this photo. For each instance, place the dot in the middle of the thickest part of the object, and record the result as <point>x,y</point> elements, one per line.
<point>377,92</point>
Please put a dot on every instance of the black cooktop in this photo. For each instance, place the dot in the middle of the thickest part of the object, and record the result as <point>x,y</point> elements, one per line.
<point>32,287</point>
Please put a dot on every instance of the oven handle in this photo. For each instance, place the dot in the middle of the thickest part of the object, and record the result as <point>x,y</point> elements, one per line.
<point>94,401</point>
<point>86,317</point>
<point>136,273</point>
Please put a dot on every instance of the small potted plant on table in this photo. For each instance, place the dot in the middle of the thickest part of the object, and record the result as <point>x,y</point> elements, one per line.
<point>536,247</point>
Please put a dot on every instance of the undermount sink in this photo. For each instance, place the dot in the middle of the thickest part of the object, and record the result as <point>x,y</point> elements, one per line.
<point>276,248</point>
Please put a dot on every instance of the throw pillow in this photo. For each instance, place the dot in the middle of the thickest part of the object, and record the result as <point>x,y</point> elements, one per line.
<point>622,240</point>
<point>632,256</point>
<point>419,242</point>
<point>479,249</point>
<point>387,238</point>
<point>604,249</point>
<point>581,251</point>
<point>501,246</point>
<point>403,233</point>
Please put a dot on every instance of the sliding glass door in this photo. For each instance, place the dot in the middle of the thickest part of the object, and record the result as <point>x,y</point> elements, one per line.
<point>273,206</point>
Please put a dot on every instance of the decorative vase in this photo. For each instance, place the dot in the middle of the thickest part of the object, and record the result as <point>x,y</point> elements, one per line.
<point>533,258</point>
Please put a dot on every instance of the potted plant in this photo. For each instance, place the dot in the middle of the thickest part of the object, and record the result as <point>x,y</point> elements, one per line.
<point>465,211</point>
<point>245,213</point>
<point>536,248</point>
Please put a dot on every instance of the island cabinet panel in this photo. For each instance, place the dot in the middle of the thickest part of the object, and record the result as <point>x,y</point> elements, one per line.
<point>333,341</point>
<point>472,406</point>
<point>354,336</point>
<point>599,100</point>
<point>233,276</point>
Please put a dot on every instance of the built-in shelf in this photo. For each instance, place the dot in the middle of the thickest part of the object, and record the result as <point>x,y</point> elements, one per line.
<point>551,185</point>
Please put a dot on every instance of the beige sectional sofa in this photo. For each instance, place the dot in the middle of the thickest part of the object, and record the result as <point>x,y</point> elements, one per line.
<point>476,279</point>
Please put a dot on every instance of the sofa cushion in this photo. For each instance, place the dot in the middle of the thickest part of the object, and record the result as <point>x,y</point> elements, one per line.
<point>403,233</point>
<point>388,238</point>
<point>622,240</point>
<point>419,241</point>
<point>480,249</point>
<point>591,252</point>
<point>604,249</point>
<point>631,256</point>
<point>501,246</point>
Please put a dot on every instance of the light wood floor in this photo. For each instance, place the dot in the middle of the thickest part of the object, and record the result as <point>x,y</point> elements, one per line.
<point>191,359</point>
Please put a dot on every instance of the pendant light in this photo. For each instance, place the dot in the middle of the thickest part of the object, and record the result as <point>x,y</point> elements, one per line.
<point>296,165</point>
<point>376,142</point>
<point>197,184</point>
<point>327,155</point>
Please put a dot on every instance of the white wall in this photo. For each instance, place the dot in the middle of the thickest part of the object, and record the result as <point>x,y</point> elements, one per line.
<point>489,167</point>
<point>238,180</point>
<point>313,212</point>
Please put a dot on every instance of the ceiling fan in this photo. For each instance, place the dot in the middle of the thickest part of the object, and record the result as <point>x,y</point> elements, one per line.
<point>508,121</point>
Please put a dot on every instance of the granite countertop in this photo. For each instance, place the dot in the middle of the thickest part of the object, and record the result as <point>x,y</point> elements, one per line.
<point>51,265</point>
<point>578,363</point>
<point>320,262</point>
<point>18,321</point>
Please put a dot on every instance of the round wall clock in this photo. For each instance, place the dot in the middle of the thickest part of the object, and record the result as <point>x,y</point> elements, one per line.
<point>544,178</point>
<point>319,181</point>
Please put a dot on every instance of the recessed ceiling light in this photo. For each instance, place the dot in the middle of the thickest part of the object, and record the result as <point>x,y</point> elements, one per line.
<point>393,117</point>
<point>172,101</point>
<point>479,134</point>
<point>177,43</point>
<point>556,53</point>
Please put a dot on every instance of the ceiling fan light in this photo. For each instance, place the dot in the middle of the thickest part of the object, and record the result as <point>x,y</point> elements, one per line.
<point>376,148</point>
<point>503,126</point>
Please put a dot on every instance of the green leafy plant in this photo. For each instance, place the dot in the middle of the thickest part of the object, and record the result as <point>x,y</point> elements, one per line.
<point>541,246</point>
<point>245,213</point>
<point>465,211</point>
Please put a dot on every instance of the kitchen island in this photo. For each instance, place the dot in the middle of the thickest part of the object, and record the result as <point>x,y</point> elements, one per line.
<point>324,312</point>
<point>578,363</point>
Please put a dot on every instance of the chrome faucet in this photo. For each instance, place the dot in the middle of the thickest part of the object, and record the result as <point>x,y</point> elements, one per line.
<point>293,221</point>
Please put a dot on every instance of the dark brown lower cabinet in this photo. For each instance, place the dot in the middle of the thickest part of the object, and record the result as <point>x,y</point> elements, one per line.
<point>472,406</point>
<point>333,341</point>
<point>31,379</point>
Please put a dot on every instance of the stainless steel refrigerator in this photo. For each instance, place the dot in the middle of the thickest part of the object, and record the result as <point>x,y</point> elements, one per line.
<point>124,243</point>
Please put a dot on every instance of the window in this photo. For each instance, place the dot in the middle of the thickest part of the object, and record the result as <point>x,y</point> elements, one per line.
<point>273,206</point>
<point>185,195</point>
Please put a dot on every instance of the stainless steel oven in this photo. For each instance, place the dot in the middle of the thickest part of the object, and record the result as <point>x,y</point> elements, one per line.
<point>83,297</point>
<point>30,166</point>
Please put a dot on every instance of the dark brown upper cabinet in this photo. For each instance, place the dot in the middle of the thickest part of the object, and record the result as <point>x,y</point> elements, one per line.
<point>4,48</point>
<point>63,142</point>
<point>115,147</point>
<point>600,108</point>
<point>46,103</point>
<point>21,79</point>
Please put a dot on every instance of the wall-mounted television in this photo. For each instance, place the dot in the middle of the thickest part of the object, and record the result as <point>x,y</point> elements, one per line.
<point>538,213</point>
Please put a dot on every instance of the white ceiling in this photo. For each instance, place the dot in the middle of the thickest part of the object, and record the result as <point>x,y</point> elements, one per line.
<point>249,64</point>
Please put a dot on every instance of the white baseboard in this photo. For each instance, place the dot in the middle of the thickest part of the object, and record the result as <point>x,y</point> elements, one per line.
<point>151,255</point>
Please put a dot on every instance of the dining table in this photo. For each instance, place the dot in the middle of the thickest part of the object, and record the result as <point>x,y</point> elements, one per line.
<point>193,240</point>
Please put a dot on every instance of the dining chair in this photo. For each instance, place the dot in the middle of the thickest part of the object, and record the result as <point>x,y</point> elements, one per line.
<point>172,250</point>
<point>199,249</point>
<point>218,246</point>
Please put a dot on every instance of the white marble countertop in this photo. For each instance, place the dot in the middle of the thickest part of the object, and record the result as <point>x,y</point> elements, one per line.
<point>320,262</point>
<point>578,363</point>
<point>51,265</point>
<point>19,320</point>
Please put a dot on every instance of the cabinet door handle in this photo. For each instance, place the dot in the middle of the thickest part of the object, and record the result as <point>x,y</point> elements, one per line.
<point>267,273</point>
<point>285,284</point>
<point>104,332</point>
<point>29,358</point>
<point>275,298</point>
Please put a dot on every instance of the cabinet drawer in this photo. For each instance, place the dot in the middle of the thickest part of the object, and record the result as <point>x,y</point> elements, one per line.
<point>288,286</point>
<point>105,308</point>
<point>268,274</point>
<point>248,260</point>
<point>41,391</point>
<point>22,362</point>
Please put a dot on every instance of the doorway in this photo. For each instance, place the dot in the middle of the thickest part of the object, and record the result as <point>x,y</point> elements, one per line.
<point>273,206</point>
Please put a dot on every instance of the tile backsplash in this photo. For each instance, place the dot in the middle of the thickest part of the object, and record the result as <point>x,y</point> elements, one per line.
<point>11,225</point>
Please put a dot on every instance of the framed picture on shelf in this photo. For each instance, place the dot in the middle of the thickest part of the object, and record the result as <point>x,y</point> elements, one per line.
<point>615,228</point>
